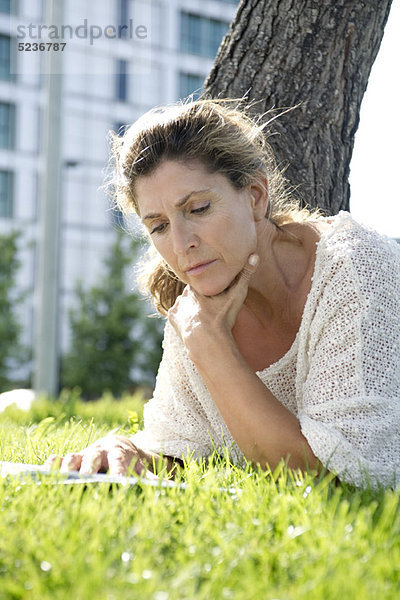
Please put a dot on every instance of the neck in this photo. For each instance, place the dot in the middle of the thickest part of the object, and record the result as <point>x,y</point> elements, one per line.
<point>284,264</point>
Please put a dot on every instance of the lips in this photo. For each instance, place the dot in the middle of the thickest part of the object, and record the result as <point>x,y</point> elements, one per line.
<point>198,267</point>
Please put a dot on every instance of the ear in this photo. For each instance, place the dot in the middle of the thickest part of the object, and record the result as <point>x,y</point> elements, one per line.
<point>259,198</point>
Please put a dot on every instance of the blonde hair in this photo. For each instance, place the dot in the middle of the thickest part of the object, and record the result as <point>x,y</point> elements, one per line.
<point>220,134</point>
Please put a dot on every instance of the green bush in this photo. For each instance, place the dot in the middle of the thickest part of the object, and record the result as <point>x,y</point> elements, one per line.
<point>107,410</point>
<point>115,345</point>
<point>12,354</point>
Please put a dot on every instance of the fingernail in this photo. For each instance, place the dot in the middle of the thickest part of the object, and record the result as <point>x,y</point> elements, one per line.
<point>253,260</point>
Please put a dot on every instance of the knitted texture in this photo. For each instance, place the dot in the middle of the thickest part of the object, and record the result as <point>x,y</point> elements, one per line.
<point>341,376</point>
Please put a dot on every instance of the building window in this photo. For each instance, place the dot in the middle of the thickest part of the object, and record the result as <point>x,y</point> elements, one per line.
<point>6,194</point>
<point>7,125</point>
<point>5,56</point>
<point>122,80</point>
<point>123,18</point>
<point>5,6</point>
<point>190,84</point>
<point>216,32</point>
<point>200,35</point>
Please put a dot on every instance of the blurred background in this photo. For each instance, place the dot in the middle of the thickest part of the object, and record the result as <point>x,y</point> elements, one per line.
<point>70,313</point>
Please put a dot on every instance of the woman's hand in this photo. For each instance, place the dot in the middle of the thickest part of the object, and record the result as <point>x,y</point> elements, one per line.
<point>197,319</point>
<point>113,453</point>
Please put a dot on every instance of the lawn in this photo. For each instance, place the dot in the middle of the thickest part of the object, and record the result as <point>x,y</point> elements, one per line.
<point>229,534</point>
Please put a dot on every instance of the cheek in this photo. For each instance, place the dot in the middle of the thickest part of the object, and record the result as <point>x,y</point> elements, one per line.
<point>243,239</point>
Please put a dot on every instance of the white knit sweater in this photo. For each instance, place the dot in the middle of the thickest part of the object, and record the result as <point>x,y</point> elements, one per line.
<point>341,377</point>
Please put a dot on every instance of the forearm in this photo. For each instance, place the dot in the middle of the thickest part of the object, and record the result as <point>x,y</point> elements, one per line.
<point>263,428</point>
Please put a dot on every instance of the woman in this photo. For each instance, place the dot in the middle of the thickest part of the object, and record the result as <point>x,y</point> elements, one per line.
<point>283,330</point>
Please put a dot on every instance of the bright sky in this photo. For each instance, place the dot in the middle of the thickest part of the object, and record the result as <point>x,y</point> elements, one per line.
<point>375,167</point>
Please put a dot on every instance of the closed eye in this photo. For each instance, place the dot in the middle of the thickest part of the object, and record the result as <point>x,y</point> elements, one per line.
<point>201,209</point>
<point>194,211</point>
<point>159,228</point>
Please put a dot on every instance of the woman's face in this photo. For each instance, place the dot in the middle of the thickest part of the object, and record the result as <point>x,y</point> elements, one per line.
<point>203,227</point>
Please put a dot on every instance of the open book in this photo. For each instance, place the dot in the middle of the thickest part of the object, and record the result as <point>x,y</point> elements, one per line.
<point>26,472</point>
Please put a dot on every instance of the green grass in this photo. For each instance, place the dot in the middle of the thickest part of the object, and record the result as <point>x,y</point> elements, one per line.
<point>231,534</point>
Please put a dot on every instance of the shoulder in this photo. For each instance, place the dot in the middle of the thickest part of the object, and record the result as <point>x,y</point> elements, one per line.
<point>367,252</point>
<point>357,271</point>
<point>346,236</point>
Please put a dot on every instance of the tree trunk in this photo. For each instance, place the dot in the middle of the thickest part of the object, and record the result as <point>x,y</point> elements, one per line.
<point>316,54</point>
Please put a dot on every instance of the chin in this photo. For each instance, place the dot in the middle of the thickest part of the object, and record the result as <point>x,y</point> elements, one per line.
<point>212,289</point>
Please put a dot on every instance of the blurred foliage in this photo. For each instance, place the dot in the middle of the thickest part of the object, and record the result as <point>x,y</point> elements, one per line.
<point>115,346</point>
<point>125,412</point>
<point>12,354</point>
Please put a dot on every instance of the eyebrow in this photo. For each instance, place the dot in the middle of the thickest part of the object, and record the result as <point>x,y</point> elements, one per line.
<point>179,204</point>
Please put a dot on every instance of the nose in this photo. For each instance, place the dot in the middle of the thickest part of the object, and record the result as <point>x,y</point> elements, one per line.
<point>183,237</point>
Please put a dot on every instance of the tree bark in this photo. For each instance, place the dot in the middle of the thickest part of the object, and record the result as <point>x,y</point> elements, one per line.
<point>316,54</point>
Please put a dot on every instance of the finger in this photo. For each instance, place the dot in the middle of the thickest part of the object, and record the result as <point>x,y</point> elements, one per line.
<point>250,267</point>
<point>94,460</point>
<point>236,294</point>
<point>120,458</point>
<point>71,462</point>
<point>53,462</point>
<point>175,307</point>
<point>241,282</point>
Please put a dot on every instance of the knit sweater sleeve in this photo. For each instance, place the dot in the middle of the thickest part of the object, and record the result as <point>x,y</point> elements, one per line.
<point>349,378</point>
<point>175,422</point>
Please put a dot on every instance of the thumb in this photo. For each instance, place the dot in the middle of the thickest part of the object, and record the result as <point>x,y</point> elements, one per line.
<point>238,291</point>
<point>250,267</point>
<point>243,279</point>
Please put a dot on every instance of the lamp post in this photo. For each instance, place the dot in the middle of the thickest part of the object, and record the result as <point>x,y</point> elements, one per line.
<point>46,344</point>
